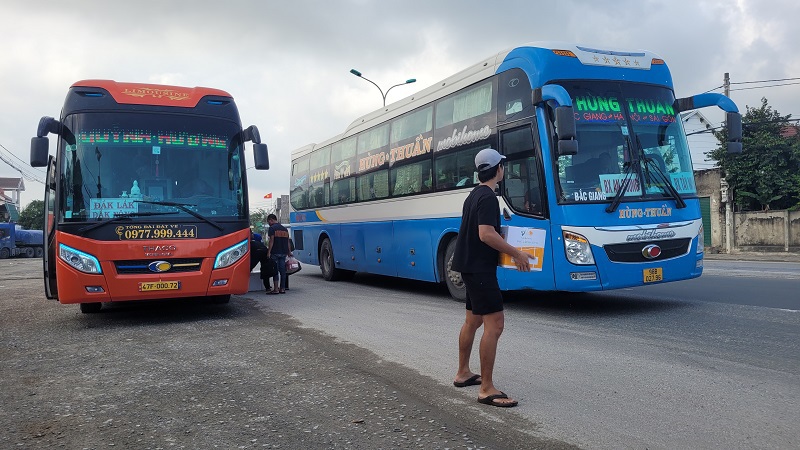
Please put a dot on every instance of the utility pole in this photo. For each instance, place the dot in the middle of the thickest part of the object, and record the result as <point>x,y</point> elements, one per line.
<point>727,192</point>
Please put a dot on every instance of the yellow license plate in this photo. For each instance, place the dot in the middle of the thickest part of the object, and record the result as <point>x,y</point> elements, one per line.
<point>653,275</point>
<point>147,286</point>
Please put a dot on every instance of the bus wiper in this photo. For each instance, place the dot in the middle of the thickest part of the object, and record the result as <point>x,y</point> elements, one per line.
<point>623,188</point>
<point>183,207</point>
<point>121,217</point>
<point>666,184</point>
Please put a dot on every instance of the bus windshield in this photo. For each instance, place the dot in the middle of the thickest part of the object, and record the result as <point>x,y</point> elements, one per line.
<point>625,129</point>
<point>136,164</point>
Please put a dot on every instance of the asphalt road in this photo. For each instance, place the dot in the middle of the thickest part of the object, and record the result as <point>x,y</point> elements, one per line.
<point>678,365</point>
<point>194,375</point>
<point>369,364</point>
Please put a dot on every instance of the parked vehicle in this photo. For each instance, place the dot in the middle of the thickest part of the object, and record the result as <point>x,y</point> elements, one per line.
<point>16,241</point>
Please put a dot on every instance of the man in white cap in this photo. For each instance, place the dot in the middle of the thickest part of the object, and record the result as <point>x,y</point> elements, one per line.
<point>477,250</point>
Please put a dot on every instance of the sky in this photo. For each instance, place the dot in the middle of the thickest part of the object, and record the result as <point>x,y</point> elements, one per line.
<point>287,63</point>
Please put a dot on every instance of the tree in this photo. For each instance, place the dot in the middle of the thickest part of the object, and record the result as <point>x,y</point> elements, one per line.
<point>765,174</point>
<point>32,217</point>
<point>258,219</point>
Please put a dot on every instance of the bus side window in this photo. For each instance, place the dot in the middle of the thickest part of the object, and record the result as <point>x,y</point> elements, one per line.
<point>411,178</point>
<point>373,186</point>
<point>457,169</point>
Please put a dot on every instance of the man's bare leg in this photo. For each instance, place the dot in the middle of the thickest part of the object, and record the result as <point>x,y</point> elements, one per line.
<point>492,329</point>
<point>465,340</point>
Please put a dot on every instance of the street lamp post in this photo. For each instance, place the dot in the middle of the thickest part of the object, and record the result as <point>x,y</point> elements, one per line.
<point>358,74</point>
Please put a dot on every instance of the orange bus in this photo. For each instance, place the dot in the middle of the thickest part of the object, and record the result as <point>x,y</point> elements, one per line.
<point>146,194</point>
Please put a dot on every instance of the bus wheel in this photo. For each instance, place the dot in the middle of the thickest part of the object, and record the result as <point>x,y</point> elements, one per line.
<point>452,278</point>
<point>327,263</point>
<point>91,308</point>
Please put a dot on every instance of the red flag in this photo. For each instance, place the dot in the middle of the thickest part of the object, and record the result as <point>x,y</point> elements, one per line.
<point>268,195</point>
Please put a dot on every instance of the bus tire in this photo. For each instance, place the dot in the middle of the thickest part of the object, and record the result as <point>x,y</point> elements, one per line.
<point>327,263</point>
<point>39,252</point>
<point>452,278</point>
<point>91,308</point>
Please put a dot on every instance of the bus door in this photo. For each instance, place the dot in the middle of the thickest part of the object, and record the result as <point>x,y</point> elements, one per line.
<point>49,251</point>
<point>524,211</point>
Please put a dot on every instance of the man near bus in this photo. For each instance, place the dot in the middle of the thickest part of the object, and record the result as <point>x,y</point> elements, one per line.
<point>278,249</point>
<point>476,255</point>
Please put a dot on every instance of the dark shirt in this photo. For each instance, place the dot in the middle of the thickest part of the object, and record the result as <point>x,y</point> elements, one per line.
<point>471,254</point>
<point>280,242</point>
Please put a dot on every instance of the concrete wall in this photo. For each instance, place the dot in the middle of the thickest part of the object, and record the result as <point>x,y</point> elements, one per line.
<point>753,230</point>
<point>707,182</point>
<point>768,230</point>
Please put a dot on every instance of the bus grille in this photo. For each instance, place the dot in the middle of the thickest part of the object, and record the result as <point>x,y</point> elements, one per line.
<point>139,266</point>
<point>632,252</point>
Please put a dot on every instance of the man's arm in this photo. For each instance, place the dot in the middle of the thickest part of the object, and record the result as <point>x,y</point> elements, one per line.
<point>490,237</point>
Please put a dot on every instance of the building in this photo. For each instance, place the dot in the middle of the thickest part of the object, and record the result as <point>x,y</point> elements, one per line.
<point>701,140</point>
<point>10,189</point>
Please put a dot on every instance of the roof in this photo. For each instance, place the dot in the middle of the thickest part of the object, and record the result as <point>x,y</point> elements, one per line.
<point>12,184</point>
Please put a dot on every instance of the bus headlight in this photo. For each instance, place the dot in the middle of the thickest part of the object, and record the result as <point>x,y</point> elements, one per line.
<point>577,249</point>
<point>230,255</point>
<point>84,262</point>
<point>701,240</point>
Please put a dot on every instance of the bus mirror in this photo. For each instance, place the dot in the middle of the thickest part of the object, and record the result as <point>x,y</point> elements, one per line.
<point>733,122</point>
<point>565,123</point>
<point>251,134</point>
<point>40,150</point>
<point>47,125</point>
<point>260,156</point>
<point>566,148</point>
<point>734,147</point>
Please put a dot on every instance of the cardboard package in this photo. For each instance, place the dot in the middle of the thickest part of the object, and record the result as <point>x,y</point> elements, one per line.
<point>531,240</point>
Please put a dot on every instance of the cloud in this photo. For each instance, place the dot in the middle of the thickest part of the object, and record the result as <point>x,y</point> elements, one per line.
<point>287,63</point>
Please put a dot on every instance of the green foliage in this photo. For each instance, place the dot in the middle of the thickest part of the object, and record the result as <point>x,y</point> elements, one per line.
<point>258,219</point>
<point>32,217</point>
<point>766,175</point>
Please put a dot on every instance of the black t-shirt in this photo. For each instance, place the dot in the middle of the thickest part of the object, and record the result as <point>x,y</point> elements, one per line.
<point>471,254</point>
<point>280,243</point>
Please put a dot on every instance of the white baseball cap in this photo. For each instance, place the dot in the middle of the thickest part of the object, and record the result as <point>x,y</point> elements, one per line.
<point>487,158</point>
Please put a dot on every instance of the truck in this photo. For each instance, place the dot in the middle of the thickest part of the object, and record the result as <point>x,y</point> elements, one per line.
<point>17,241</point>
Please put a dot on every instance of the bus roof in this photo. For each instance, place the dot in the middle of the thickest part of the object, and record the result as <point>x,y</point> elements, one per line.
<point>600,59</point>
<point>151,94</point>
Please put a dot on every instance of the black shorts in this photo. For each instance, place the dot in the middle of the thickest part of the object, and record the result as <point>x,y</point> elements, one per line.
<point>483,293</point>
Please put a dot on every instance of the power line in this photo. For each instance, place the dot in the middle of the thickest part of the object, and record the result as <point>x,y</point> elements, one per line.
<point>756,82</point>
<point>744,124</point>
<point>25,175</point>
<point>766,81</point>
<point>18,158</point>
<point>759,87</point>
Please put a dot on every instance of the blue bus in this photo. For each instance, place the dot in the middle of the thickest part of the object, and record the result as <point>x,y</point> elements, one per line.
<point>599,183</point>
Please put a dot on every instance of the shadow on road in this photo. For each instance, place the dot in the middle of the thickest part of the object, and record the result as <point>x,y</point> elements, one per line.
<point>588,304</point>
<point>167,311</point>
<point>541,302</point>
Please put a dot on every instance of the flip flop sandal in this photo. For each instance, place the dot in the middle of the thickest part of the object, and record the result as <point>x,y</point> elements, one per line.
<point>490,400</point>
<point>471,381</point>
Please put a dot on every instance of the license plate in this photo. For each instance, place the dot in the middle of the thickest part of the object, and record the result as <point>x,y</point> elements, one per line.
<point>652,275</point>
<point>148,286</point>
